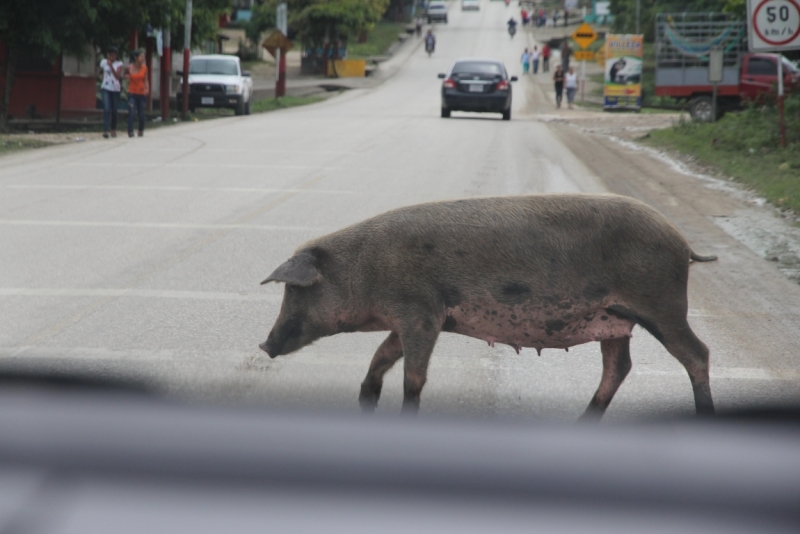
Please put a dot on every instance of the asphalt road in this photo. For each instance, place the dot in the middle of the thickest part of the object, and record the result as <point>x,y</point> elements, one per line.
<point>143,256</point>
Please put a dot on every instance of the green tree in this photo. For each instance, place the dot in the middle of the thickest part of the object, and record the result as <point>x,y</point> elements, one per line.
<point>321,21</point>
<point>41,29</point>
<point>261,20</point>
<point>624,12</point>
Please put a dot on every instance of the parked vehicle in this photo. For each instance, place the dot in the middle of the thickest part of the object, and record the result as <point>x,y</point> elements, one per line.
<point>470,5</point>
<point>477,85</point>
<point>437,12</point>
<point>218,81</point>
<point>682,45</point>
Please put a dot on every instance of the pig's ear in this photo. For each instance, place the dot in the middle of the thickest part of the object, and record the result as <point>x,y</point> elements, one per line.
<point>298,270</point>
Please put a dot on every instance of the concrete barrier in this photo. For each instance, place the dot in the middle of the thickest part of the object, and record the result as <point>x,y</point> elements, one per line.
<point>347,68</point>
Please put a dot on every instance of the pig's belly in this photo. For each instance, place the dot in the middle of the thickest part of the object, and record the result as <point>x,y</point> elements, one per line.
<point>525,326</point>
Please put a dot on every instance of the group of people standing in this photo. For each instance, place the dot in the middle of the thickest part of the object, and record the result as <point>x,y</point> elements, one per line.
<point>539,17</point>
<point>531,58</point>
<point>565,80</point>
<point>564,76</point>
<point>114,72</point>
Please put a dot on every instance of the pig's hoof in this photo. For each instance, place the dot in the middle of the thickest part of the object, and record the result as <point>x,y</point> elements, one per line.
<point>368,398</point>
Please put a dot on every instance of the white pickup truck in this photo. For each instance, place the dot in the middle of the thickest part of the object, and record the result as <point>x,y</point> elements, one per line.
<point>218,81</point>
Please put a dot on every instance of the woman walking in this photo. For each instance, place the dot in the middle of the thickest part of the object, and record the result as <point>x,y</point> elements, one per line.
<point>535,57</point>
<point>138,89</point>
<point>110,89</point>
<point>558,80</point>
<point>526,61</point>
<point>571,80</point>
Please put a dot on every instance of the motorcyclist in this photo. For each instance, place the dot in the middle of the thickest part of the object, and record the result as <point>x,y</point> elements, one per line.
<point>430,41</point>
<point>512,26</point>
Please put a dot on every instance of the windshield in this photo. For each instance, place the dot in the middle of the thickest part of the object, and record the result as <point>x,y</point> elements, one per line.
<point>226,67</point>
<point>478,67</point>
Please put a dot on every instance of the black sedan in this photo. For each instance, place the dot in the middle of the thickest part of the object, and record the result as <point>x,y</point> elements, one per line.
<point>480,85</point>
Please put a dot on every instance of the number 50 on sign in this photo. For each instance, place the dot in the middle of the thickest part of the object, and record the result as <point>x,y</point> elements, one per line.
<point>773,25</point>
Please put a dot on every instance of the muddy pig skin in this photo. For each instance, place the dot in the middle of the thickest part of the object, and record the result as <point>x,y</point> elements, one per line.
<point>539,271</point>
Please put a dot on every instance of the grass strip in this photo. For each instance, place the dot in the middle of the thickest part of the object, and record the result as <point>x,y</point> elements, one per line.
<point>272,104</point>
<point>378,40</point>
<point>9,144</point>
<point>745,146</point>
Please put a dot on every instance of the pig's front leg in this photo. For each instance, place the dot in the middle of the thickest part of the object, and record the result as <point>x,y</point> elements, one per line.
<point>385,357</point>
<point>418,337</point>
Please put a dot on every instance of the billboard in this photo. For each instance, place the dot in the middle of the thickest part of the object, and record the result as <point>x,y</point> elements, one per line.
<point>623,71</point>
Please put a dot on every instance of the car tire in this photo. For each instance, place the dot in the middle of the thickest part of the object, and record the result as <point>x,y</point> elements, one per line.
<point>239,109</point>
<point>445,113</point>
<point>445,21</point>
<point>429,21</point>
<point>701,109</point>
<point>507,115</point>
<point>248,107</point>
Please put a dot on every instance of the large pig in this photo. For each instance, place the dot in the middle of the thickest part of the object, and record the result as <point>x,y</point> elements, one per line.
<point>540,271</point>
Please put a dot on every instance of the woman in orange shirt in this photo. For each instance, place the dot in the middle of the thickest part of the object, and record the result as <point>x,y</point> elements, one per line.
<point>138,89</point>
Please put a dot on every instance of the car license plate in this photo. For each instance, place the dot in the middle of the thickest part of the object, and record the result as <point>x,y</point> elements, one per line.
<point>207,100</point>
<point>474,88</point>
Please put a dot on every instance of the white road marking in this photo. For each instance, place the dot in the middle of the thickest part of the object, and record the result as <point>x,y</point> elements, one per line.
<point>168,226</point>
<point>140,293</point>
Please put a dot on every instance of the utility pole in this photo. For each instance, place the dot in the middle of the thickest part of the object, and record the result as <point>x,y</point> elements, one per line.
<point>166,71</point>
<point>187,44</point>
<point>281,19</point>
<point>638,14</point>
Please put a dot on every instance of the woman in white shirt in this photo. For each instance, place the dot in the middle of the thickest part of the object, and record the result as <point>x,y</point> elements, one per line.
<point>571,85</point>
<point>535,57</point>
<point>110,89</point>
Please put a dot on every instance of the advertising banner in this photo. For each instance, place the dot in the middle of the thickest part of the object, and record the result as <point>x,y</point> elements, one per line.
<point>623,71</point>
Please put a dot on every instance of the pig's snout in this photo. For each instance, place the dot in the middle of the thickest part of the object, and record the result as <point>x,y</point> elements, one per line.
<point>269,346</point>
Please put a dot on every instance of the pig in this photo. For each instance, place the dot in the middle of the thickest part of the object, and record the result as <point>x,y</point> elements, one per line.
<point>533,271</point>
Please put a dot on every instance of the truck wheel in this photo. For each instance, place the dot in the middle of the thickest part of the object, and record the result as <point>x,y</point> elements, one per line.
<point>701,109</point>
<point>249,107</point>
<point>239,109</point>
<point>445,113</point>
<point>507,115</point>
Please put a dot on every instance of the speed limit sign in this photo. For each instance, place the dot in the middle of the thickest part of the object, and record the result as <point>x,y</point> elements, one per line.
<point>773,25</point>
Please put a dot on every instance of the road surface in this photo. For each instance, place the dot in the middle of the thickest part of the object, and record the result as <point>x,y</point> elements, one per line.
<point>142,257</point>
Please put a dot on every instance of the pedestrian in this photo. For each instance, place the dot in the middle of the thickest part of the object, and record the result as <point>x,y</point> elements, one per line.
<point>546,58</point>
<point>566,52</point>
<point>566,16</point>
<point>535,58</point>
<point>526,61</point>
<point>110,87</point>
<point>558,81</point>
<point>138,89</point>
<point>571,81</point>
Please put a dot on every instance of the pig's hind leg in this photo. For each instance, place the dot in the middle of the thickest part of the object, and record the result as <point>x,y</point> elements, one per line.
<point>685,346</point>
<point>616,365</point>
<point>385,357</point>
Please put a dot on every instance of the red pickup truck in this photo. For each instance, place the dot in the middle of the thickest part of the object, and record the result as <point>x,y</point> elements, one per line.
<point>682,65</point>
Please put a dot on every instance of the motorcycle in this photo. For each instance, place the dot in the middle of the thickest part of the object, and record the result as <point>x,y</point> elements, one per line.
<point>512,30</point>
<point>429,46</point>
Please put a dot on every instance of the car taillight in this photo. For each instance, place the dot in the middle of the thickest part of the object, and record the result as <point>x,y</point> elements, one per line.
<point>449,84</point>
<point>502,85</point>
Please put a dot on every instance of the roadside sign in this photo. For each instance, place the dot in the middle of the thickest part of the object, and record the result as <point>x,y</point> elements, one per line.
<point>773,25</point>
<point>585,34</point>
<point>715,57</point>
<point>277,41</point>
<point>281,18</point>
<point>583,55</point>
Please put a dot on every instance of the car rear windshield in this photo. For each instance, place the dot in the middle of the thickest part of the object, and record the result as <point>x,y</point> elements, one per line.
<point>478,67</point>
<point>214,66</point>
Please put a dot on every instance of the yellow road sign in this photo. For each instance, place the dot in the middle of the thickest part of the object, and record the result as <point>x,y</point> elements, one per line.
<point>584,35</point>
<point>584,55</point>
